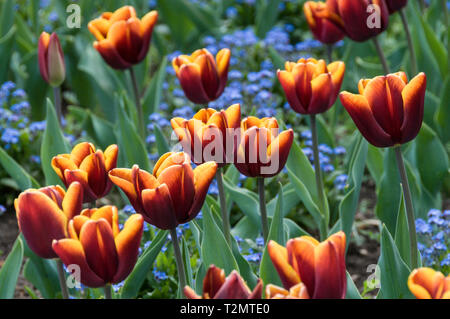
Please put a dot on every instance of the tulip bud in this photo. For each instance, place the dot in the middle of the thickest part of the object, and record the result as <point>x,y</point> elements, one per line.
<point>172,195</point>
<point>262,151</point>
<point>51,59</point>
<point>43,215</point>
<point>427,283</point>
<point>389,110</point>
<point>216,286</point>
<point>319,266</point>
<point>395,5</point>
<point>325,29</point>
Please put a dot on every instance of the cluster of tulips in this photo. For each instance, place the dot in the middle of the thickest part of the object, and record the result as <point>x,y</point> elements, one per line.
<point>388,112</point>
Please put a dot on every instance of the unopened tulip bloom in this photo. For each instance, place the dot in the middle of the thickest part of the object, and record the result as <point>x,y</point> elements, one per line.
<point>208,136</point>
<point>172,195</point>
<point>263,151</point>
<point>324,29</point>
<point>89,167</point>
<point>298,291</point>
<point>395,5</point>
<point>104,254</point>
<point>202,77</point>
<point>43,215</point>
<point>51,59</point>
<point>427,283</point>
<point>216,286</point>
<point>311,86</point>
<point>362,19</point>
<point>320,266</point>
<point>389,109</point>
<point>122,38</point>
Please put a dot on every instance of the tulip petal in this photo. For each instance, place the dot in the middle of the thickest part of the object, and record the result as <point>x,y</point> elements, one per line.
<point>191,82</point>
<point>279,256</point>
<point>413,98</point>
<point>148,22</point>
<point>359,110</point>
<point>234,287</point>
<point>158,207</point>
<point>109,213</point>
<point>41,221</point>
<point>214,279</point>
<point>127,243</point>
<point>301,256</point>
<point>97,240</point>
<point>80,152</point>
<point>337,70</point>
<point>60,163</point>
<point>110,155</point>
<point>99,28</point>
<point>209,75</point>
<point>43,43</point>
<point>257,291</point>
<point>81,177</point>
<point>203,176</point>
<point>71,252</point>
<point>109,53</point>
<point>190,293</point>
<point>122,178</point>
<point>73,200</point>
<point>124,13</point>
<point>223,63</point>
<point>288,83</point>
<point>322,93</point>
<point>233,116</point>
<point>278,151</point>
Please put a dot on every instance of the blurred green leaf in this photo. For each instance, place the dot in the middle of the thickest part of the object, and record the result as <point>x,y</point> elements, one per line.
<point>152,97</point>
<point>144,264</point>
<point>161,142</point>
<point>20,176</point>
<point>394,272</point>
<point>53,143</point>
<point>266,16</point>
<point>10,270</point>
<point>352,291</point>
<point>215,250</point>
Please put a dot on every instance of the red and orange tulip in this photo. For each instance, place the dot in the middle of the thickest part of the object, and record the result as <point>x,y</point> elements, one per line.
<point>204,128</point>
<point>51,59</point>
<point>298,291</point>
<point>202,77</point>
<point>122,38</point>
<point>389,110</point>
<point>325,29</point>
<point>172,195</point>
<point>216,286</point>
<point>395,5</point>
<point>320,266</point>
<point>427,283</point>
<point>263,151</point>
<point>88,167</point>
<point>355,16</point>
<point>311,86</point>
<point>43,215</point>
<point>103,253</point>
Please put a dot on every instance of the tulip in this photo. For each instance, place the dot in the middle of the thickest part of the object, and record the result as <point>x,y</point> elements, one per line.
<point>320,266</point>
<point>104,254</point>
<point>123,39</point>
<point>360,21</point>
<point>389,110</point>
<point>263,151</point>
<point>324,29</point>
<point>311,86</point>
<point>208,136</point>
<point>395,5</point>
<point>88,167</point>
<point>216,286</point>
<point>51,59</point>
<point>202,77</point>
<point>298,291</point>
<point>172,195</point>
<point>427,283</point>
<point>43,215</point>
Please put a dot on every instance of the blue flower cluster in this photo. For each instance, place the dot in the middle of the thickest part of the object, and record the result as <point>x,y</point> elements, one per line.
<point>434,239</point>
<point>17,131</point>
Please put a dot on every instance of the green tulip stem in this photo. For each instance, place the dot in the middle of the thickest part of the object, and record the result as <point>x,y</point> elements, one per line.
<point>412,51</point>
<point>381,55</point>
<point>107,290</point>
<point>137,96</point>
<point>319,182</point>
<point>408,205</point>
<point>62,279</point>
<point>58,103</point>
<point>262,208</point>
<point>223,206</point>
<point>178,259</point>
<point>329,52</point>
